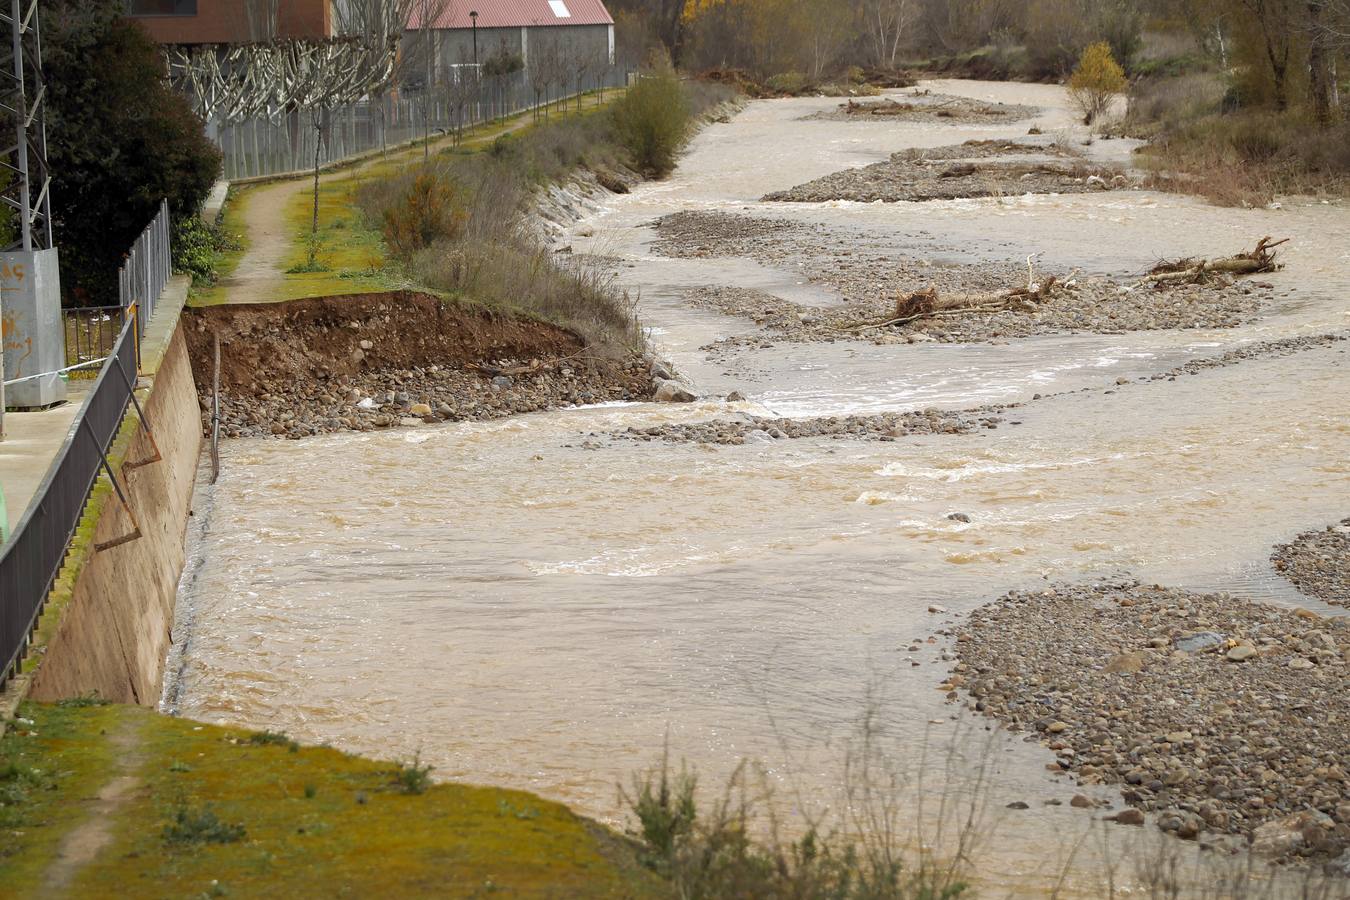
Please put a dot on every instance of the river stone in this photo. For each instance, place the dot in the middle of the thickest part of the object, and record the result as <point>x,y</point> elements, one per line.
<point>1241,652</point>
<point>1201,640</point>
<point>1128,817</point>
<point>1125,664</point>
<point>1288,834</point>
<point>669,391</point>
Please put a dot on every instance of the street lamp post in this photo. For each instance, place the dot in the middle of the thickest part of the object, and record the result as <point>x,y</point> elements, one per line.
<point>473,17</point>
<point>477,74</point>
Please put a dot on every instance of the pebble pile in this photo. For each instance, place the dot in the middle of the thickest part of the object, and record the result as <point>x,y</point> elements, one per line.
<point>748,429</point>
<point>1318,563</point>
<point>958,172</point>
<point>869,283</point>
<point>420,395</point>
<point>924,106</point>
<point>1212,713</point>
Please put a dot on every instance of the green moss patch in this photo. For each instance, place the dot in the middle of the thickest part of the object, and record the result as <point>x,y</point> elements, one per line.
<point>219,812</point>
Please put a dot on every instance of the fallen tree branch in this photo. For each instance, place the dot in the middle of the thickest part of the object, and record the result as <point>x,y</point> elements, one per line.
<point>1190,270</point>
<point>929,304</point>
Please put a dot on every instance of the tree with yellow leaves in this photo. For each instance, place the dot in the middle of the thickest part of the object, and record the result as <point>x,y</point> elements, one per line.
<point>1097,80</point>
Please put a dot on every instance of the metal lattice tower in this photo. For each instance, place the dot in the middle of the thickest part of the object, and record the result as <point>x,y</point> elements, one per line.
<point>23,163</point>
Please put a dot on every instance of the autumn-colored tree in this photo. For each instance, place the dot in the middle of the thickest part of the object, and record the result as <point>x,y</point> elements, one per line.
<point>428,211</point>
<point>1097,80</point>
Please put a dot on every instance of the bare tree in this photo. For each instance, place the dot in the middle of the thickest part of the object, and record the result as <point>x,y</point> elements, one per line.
<point>886,24</point>
<point>545,63</point>
<point>1276,21</point>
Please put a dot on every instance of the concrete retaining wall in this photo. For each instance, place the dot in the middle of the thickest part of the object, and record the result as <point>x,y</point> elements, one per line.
<point>114,632</point>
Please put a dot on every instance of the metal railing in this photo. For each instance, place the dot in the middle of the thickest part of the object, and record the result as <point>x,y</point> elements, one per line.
<point>31,560</point>
<point>91,332</point>
<point>147,269</point>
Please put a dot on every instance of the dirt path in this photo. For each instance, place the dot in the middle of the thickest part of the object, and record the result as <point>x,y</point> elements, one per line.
<point>261,270</point>
<point>83,843</point>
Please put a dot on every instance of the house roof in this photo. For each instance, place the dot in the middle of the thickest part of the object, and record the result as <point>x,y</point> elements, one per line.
<point>517,13</point>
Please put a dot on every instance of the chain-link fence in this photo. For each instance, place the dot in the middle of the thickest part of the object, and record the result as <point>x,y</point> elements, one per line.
<point>260,147</point>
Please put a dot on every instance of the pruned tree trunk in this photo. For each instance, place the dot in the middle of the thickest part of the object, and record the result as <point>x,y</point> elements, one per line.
<point>1320,79</point>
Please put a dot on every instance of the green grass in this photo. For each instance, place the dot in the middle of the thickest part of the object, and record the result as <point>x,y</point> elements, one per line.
<point>232,223</point>
<point>69,749</point>
<point>349,256</point>
<point>216,811</point>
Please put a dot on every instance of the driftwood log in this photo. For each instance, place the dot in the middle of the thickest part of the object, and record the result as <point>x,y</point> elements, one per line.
<point>1191,270</point>
<point>930,304</point>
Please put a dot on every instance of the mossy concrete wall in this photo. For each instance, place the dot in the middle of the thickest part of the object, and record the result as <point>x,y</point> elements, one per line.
<point>114,632</point>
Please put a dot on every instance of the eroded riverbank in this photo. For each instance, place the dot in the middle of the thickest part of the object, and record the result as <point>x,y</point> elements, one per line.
<point>524,609</point>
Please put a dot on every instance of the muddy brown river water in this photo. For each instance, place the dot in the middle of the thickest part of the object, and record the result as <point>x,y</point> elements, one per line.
<point>524,611</point>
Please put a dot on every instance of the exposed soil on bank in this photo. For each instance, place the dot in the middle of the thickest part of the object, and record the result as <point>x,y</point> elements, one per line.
<point>975,169</point>
<point>1318,563</point>
<point>924,106</point>
<point>870,283</point>
<point>381,360</point>
<point>1212,713</point>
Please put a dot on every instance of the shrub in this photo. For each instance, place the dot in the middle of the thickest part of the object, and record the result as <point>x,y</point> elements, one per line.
<point>651,121</point>
<point>197,248</point>
<point>192,827</point>
<point>791,83</point>
<point>1247,158</point>
<point>427,212</point>
<point>1159,103</point>
<point>1097,80</point>
<point>412,777</point>
<point>713,854</point>
<point>269,739</point>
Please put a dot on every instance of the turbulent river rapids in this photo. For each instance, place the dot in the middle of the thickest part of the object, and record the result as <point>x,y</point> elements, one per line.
<point>521,608</point>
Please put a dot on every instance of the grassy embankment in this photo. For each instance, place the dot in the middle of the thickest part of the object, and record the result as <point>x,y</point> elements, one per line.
<point>461,224</point>
<point>1201,142</point>
<point>203,811</point>
<point>349,255</point>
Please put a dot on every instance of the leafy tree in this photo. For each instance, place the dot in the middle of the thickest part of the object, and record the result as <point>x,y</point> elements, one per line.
<point>119,141</point>
<point>1096,81</point>
<point>651,121</point>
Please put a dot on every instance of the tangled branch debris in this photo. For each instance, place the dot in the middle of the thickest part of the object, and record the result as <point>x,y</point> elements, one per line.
<point>929,304</point>
<point>1193,271</point>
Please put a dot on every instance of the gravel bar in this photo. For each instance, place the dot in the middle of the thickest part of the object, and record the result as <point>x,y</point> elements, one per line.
<point>1212,713</point>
